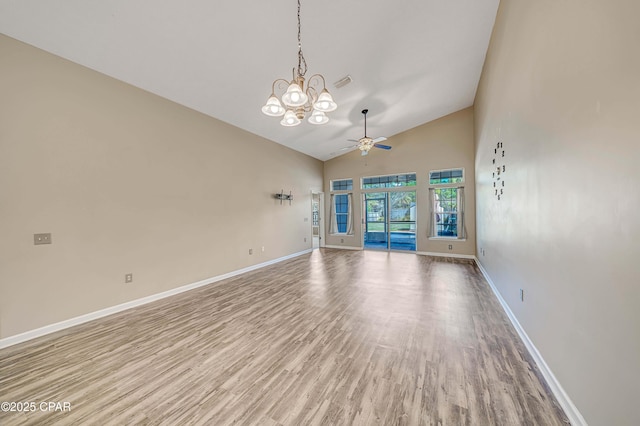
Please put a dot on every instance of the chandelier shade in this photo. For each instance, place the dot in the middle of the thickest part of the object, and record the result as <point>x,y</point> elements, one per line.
<point>325,102</point>
<point>318,117</point>
<point>273,107</point>
<point>290,119</point>
<point>294,96</point>
<point>299,100</point>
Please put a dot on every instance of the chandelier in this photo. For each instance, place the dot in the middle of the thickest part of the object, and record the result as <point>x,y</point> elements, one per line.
<point>299,100</point>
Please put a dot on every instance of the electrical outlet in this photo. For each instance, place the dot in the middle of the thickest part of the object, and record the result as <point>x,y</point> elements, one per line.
<point>341,240</point>
<point>42,239</point>
<point>450,246</point>
<point>128,278</point>
<point>305,239</point>
<point>250,251</point>
<point>263,249</point>
<point>521,295</point>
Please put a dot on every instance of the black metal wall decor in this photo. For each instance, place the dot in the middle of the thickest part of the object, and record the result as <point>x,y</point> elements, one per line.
<point>284,197</point>
<point>499,169</point>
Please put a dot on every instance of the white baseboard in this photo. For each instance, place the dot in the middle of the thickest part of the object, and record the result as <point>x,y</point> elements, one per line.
<point>343,247</point>
<point>32,334</point>
<point>565,402</point>
<point>459,256</point>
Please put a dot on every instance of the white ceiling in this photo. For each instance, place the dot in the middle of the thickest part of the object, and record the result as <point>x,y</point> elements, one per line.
<point>411,61</point>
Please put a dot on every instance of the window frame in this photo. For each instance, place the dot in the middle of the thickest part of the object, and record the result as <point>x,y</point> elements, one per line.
<point>344,215</point>
<point>338,192</point>
<point>446,213</point>
<point>448,185</point>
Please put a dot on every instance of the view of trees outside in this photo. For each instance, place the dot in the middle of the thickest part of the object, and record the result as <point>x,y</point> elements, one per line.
<point>402,210</point>
<point>446,211</point>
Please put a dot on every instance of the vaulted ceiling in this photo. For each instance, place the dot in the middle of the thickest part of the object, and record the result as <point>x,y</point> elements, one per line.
<point>411,61</point>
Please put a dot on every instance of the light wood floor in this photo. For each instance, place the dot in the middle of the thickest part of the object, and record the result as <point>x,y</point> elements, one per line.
<point>333,337</point>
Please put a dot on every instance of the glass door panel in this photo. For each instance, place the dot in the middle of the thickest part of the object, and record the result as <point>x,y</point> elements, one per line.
<point>402,220</point>
<point>376,232</point>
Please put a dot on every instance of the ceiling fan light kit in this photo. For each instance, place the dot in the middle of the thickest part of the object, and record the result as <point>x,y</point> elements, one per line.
<point>298,100</point>
<point>365,143</point>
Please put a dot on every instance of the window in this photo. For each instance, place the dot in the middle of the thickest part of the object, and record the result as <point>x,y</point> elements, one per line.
<point>342,185</point>
<point>446,198</point>
<point>439,177</point>
<point>392,181</point>
<point>341,214</point>
<point>446,212</point>
<point>315,214</point>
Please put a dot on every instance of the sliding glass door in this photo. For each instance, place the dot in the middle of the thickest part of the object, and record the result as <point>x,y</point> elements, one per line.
<point>390,220</point>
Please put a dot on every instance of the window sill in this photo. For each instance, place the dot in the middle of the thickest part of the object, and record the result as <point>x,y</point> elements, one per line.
<point>447,238</point>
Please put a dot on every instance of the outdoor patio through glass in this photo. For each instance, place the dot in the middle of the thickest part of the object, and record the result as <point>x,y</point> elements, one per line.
<point>390,220</point>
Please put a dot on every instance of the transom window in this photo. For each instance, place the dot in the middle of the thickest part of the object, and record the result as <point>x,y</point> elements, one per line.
<point>391,181</point>
<point>439,177</point>
<point>342,185</point>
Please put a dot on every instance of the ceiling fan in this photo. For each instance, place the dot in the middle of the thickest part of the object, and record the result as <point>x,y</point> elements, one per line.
<point>366,143</point>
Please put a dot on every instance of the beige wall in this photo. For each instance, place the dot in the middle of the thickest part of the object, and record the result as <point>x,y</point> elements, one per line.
<point>560,89</point>
<point>127,182</point>
<point>441,144</point>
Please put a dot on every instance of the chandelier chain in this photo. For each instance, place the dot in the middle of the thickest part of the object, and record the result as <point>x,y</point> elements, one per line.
<point>302,63</point>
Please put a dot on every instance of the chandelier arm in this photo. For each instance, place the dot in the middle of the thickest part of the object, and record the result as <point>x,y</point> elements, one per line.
<point>317,76</point>
<point>281,87</point>
<point>312,93</point>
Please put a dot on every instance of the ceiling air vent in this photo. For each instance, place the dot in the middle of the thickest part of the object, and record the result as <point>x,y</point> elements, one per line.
<point>342,82</point>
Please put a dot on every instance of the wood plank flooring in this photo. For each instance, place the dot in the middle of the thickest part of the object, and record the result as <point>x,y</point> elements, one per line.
<point>329,338</point>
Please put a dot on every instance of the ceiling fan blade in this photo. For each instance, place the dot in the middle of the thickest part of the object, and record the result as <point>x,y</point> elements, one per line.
<point>379,145</point>
<point>380,139</point>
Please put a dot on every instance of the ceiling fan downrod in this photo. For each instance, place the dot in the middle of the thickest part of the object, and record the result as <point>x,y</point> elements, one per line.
<point>365,111</point>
